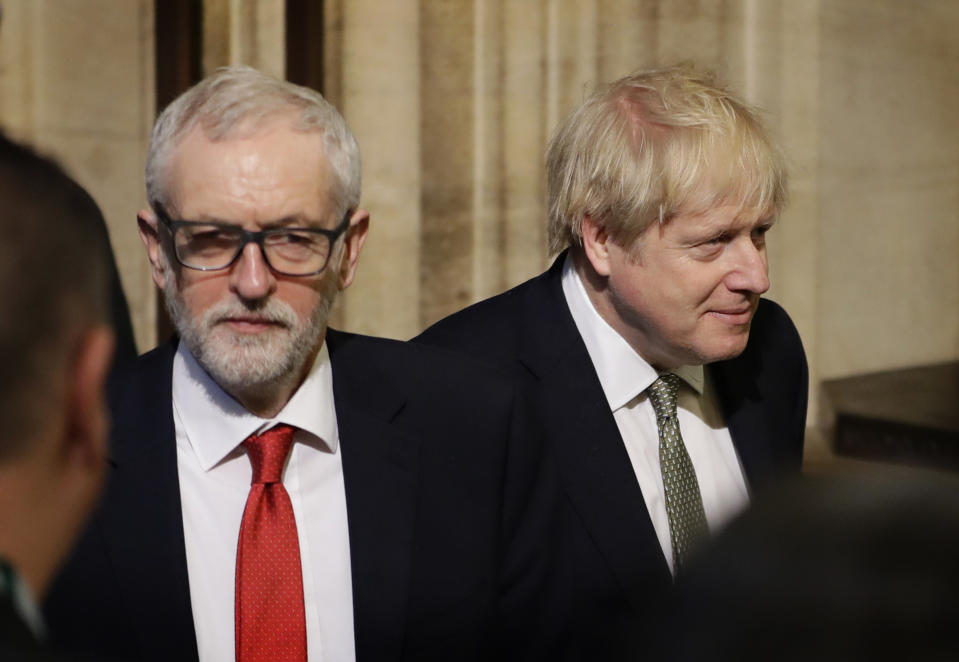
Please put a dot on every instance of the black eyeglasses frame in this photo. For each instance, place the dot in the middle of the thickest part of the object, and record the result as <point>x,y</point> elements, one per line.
<point>256,237</point>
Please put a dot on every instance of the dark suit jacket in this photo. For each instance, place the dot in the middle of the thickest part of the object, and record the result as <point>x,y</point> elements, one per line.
<point>16,640</point>
<point>612,567</point>
<point>444,501</point>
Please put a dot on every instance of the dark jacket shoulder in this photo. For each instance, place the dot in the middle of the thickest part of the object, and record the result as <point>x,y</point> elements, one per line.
<point>493,330</point>
<point>418,371</point>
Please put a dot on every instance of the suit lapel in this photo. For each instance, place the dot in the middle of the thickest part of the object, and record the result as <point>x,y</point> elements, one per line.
<point>380,477</point>
<point>142,520</point>
<point>745,414</point>
<point>592,459</point>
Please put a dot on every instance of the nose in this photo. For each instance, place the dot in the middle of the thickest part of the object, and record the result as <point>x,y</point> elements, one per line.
<point>250,276</point>
<point>750,269</point>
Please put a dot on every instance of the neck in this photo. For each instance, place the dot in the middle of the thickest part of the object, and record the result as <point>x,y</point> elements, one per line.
<point>594,284</point>
<point>265,401</point>
<point>29,540</point>
<point>599,294</point>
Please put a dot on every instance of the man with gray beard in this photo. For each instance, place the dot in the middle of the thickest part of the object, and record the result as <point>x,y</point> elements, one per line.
<point>279,490</point>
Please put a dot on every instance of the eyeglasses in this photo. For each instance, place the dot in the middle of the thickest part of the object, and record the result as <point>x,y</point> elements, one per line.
<point>288,251</point>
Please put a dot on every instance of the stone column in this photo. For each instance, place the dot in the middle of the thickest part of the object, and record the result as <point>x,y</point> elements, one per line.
<point>244,32</point>
<point>380,98</point>
<point>76,81</point>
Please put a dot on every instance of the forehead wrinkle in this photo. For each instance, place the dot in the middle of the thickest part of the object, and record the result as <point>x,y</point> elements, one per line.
<point>253,183</point>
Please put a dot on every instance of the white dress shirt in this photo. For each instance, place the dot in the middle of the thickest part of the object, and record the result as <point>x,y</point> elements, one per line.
<point>215,473</point>
<point>625,376</point>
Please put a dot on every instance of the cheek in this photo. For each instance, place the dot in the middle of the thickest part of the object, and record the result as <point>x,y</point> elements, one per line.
<point>200,293</point>
<point>703,286</point>
<point>302,297</point>
<point>644,308</point>
<point>665,289</point>
<point>665,300</point>
<point>628,294</point>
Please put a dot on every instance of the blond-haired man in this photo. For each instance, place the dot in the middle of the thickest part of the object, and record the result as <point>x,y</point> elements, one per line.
<point>669,390</point>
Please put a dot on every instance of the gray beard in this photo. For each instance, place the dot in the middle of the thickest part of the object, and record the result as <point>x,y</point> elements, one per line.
<point>252,363</point>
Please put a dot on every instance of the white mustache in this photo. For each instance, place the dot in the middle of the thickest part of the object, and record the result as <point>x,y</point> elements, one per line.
<point>272,311</point>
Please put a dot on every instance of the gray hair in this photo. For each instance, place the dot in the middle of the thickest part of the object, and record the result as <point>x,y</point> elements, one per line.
<point>235,102</point>
<point>654,144</point>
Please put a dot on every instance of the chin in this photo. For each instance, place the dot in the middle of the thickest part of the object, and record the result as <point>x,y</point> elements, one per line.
<point>720,344</point>
<point>729,349</point>
<point>722,341</point>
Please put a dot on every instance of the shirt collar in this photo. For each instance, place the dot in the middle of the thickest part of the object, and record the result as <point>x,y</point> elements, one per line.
<point>622,372</point>
<point>216,424</point>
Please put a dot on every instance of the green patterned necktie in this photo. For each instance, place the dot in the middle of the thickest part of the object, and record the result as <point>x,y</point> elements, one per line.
<point>684,504</point>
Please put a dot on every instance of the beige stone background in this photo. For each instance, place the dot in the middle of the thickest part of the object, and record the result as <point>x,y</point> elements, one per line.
<point>453,101</point>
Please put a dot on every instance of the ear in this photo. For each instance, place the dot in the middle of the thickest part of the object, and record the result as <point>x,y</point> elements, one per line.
<point>87,420</point>
<point>596,244</point>
<point>148,226</point>
<point>352,245</point>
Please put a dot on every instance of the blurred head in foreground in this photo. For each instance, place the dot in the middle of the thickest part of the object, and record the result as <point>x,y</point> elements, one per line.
<point>55,348</point>
<point>832,569</point>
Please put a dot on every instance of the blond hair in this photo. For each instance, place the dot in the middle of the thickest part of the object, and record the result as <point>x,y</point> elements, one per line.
<point>651,145</point>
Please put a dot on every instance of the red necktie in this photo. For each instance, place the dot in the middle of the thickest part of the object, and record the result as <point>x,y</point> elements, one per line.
<point>270,620</point>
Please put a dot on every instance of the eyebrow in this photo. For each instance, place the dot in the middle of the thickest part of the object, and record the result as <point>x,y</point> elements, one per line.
<point>296,221</point>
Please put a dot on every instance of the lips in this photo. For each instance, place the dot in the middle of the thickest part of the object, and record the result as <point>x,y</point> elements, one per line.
<point>737,315</point>
<point>738,310</point>
<point>273,315</point>
<point>250,323</point>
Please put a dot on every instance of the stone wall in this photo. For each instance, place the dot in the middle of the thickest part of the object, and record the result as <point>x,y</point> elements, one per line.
<point>76,80</point>
<point>453,102</point>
